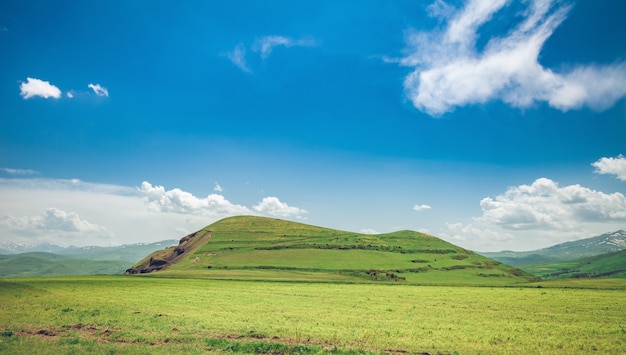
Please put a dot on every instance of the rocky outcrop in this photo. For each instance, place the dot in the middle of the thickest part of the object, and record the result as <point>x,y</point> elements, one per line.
<point>163,259</point>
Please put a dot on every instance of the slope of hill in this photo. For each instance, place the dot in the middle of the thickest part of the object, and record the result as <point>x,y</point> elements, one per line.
<point>602,244</point>
<point>247,247</point>
<point>48,264</point>
<point>605,265</point>
<point>76,261</point>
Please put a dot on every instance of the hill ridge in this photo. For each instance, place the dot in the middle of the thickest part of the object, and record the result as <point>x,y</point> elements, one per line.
<point>252,247</point>
<point>602,244</point>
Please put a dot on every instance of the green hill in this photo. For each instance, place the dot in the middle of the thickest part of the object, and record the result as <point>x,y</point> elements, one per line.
<point>258,248</point>
<point>602,244</point>
<point>48,264</point>
<point>77,261</point>
<point>606,265</point>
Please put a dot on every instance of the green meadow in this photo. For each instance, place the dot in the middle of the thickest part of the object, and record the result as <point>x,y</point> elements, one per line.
<point>160,315</point>
<point>260,285</point>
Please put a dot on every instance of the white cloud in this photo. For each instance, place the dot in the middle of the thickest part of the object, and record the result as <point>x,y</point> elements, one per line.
<point>53,219</point>
<point>273,206</point>
<point>179,201</point>
<point>217,187</point>
<point>368,231</point>
<point>614,166</point>
<point>53,222</point>
<point>238,57</point>
<point>19,171</point>
<point>36,87</point>
<point>98,90</point>
<point>119,217</point>
<point>421,207</point>
<point>266,44</point>
<point>544,205</point>
<point>69,95</point>
<point>467,232</point>
<point>450,71</point>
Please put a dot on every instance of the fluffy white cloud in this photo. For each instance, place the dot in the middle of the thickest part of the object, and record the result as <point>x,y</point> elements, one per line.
<point>217,187</point>
<point>36,87</point>
<point>179,201</point>
<point>120,215</point>
<point>59,220</point>
<point>614,166</point>
<point>98,89</point>
<point>544,205</point>
<point>238,57</point>
<point>266,44</point>
<point>450,71</point>
<point>273,206</point>
<point>421,207</point>
<point>51,221</point>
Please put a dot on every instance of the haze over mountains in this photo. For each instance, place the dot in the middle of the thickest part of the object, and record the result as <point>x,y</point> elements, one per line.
<point>20,260</point>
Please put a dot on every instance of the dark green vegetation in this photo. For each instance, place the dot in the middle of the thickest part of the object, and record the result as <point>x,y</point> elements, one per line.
<point>602,244</point>
<point>148,315</point>
<point>76,261</point>
<point>257,248</point>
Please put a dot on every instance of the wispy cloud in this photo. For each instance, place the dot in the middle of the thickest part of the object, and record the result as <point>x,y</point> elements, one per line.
<point>450,71</point>
<point>463,232</point>
<point>238,57</point>
<point>421,207</point>
<point>19,172</point>
<point>614,166</point>
<point>35,87</point>
<point>217,187</point>
<point>98,89</point>
<point>368,231</point>
<point>265,45</point>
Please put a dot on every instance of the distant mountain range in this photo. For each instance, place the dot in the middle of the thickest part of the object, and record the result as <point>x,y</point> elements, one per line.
<point>22,260</point>
<point>604,265</point>
<point>583,248</point>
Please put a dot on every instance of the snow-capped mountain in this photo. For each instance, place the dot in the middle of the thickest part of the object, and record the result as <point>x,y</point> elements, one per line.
<point>602,244</point>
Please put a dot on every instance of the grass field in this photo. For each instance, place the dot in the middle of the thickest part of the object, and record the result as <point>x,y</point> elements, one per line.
<point>134,315</point>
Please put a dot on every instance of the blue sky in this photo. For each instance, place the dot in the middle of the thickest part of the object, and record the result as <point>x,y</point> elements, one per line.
<point>491,124</point>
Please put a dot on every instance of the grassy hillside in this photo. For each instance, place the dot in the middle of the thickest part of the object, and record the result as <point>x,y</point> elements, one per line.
<point>606,265</point>
<point>583,248</point>
<point>47,264</point>
<point>77,261</point>
<point>259,248</point>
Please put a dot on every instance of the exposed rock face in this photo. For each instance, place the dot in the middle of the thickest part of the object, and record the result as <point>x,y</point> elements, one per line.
<point>163,259</point>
